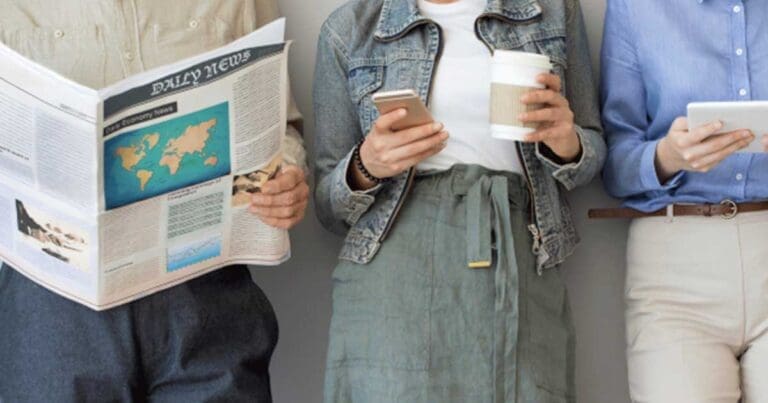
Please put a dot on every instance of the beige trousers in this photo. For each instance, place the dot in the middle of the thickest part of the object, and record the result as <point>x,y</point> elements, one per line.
<point>697,309</point>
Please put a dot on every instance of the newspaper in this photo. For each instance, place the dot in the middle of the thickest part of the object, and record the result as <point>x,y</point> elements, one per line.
<point>110,195</point>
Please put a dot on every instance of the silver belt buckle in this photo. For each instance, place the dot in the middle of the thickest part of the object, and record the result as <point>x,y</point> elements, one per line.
<point>734,209</point>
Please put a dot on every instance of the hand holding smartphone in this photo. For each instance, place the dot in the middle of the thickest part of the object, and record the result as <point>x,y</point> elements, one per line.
<point>404,135</point>
<point>418,114</point>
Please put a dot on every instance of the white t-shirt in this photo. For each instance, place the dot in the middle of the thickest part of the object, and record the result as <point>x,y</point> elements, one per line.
<point>461,92</point>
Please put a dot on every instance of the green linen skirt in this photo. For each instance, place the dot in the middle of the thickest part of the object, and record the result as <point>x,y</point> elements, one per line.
<point>451,309</point>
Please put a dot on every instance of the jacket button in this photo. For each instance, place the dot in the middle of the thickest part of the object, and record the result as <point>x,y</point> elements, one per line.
<point>58,33</point>
<point>194,24</point>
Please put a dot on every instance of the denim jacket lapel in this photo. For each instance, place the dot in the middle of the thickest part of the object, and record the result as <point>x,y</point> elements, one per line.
<point>400,16</point>
<point>397,18</point>
<point>515,10</point>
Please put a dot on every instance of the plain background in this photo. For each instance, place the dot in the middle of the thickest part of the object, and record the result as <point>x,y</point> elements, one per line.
<point>301,289</point>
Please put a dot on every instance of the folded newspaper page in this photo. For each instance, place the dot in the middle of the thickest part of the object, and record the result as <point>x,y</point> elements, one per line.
<point>110,195</point>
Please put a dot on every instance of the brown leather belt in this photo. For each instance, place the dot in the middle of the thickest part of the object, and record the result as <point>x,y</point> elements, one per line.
<point>727,209</point>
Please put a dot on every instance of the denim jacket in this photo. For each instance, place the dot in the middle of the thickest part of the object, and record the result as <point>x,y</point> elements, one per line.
<point>373,45</point>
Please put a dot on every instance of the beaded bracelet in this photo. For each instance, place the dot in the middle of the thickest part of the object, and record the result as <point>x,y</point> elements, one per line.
<point>360,167</point>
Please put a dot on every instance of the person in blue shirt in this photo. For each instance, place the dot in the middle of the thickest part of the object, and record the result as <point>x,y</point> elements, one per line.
<point>697,281</point>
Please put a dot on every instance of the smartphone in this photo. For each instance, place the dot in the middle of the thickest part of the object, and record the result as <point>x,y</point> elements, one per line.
<point>418,114</point>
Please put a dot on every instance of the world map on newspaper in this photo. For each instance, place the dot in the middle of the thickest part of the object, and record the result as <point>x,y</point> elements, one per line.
<point>168,156</point>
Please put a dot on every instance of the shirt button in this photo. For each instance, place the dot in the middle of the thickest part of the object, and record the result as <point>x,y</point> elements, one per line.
<point>739,51</point>
<point>194,24</point>
<point>743,92</point>
<point>739,177</point>
<point>58,33</point>
<point>128,56</point>
<point>736,9</point>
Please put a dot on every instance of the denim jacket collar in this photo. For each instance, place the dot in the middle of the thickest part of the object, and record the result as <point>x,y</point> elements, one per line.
<point>400,16</point>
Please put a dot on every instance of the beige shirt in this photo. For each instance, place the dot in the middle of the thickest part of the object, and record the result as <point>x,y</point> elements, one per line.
<point>99,42</point>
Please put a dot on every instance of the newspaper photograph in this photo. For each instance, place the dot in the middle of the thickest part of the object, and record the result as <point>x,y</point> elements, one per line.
<point>114,194</point>
<point>51,236</point>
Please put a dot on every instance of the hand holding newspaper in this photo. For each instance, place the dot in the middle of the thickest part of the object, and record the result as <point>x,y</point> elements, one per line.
<point>110,195</point>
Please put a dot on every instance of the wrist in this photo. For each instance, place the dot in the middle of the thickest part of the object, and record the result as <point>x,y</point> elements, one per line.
<point>665,169</point>
<point>358,176</point>
<point>568,150</point>
<point>357,181</point>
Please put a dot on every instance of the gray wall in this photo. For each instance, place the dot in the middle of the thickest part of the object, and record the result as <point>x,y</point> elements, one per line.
<point>300,290</point>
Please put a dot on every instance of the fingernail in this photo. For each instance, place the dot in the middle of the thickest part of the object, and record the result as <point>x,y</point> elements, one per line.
<point>437,127</point>
<point>444,135</point>
<point>524,98</point>
<point>746,134</point>
<point>402,112</point>
<point>522,116</point>
<point>718,125</point>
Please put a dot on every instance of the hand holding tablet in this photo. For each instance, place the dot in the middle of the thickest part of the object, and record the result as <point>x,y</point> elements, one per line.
<point>752,116</point>
<point>699,149</point>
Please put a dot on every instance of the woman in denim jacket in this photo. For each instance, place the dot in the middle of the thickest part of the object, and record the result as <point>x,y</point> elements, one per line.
<point>448,288</point>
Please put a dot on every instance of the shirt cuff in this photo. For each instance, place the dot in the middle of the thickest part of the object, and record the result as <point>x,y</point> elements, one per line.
<point>293,149</point>
<point>648,174</point>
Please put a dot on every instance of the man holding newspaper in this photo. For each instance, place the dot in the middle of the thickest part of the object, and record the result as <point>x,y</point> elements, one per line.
<point>207,338</point>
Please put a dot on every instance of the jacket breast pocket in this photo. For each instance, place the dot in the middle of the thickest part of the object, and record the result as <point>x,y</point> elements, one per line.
<point>76,52</point>
<point>554,46</point>
<point>363,82</point>
<point>171,42</point>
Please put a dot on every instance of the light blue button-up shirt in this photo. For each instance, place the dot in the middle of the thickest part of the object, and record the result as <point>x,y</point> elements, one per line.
<point>659,55</point>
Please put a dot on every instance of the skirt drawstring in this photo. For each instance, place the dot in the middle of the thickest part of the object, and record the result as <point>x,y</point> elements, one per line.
<point>489,228</point>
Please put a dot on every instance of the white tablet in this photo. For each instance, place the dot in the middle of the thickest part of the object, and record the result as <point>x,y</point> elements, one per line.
<point>752,115</point>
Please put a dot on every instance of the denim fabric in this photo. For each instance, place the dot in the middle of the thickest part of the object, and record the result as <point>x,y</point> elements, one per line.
<point>207,340</point>
<point>418,325</point>
<point>372,45</point>
<point>714,50</point>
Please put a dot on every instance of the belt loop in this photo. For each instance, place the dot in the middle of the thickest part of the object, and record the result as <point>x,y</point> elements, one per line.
<point>670,213</point>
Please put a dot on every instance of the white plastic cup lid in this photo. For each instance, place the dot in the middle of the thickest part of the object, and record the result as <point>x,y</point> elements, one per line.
<point>522,58</point>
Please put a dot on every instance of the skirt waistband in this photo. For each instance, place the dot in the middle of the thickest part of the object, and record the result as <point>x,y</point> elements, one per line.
<point>458,181</point>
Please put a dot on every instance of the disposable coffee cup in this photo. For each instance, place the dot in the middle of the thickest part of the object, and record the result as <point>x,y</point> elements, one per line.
<point>513,74</point>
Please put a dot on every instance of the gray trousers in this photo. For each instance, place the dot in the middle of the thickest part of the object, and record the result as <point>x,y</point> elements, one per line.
<point>208,340</point>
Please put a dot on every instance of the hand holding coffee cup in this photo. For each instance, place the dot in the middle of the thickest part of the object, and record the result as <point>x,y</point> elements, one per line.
<point>526,103</point>
<point>556,128</point>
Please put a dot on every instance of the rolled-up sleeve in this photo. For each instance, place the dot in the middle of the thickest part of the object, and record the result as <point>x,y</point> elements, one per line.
<point>294,152</point>
<point>630,169</point>
<point>582,96</point>
<point>336,133</point>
